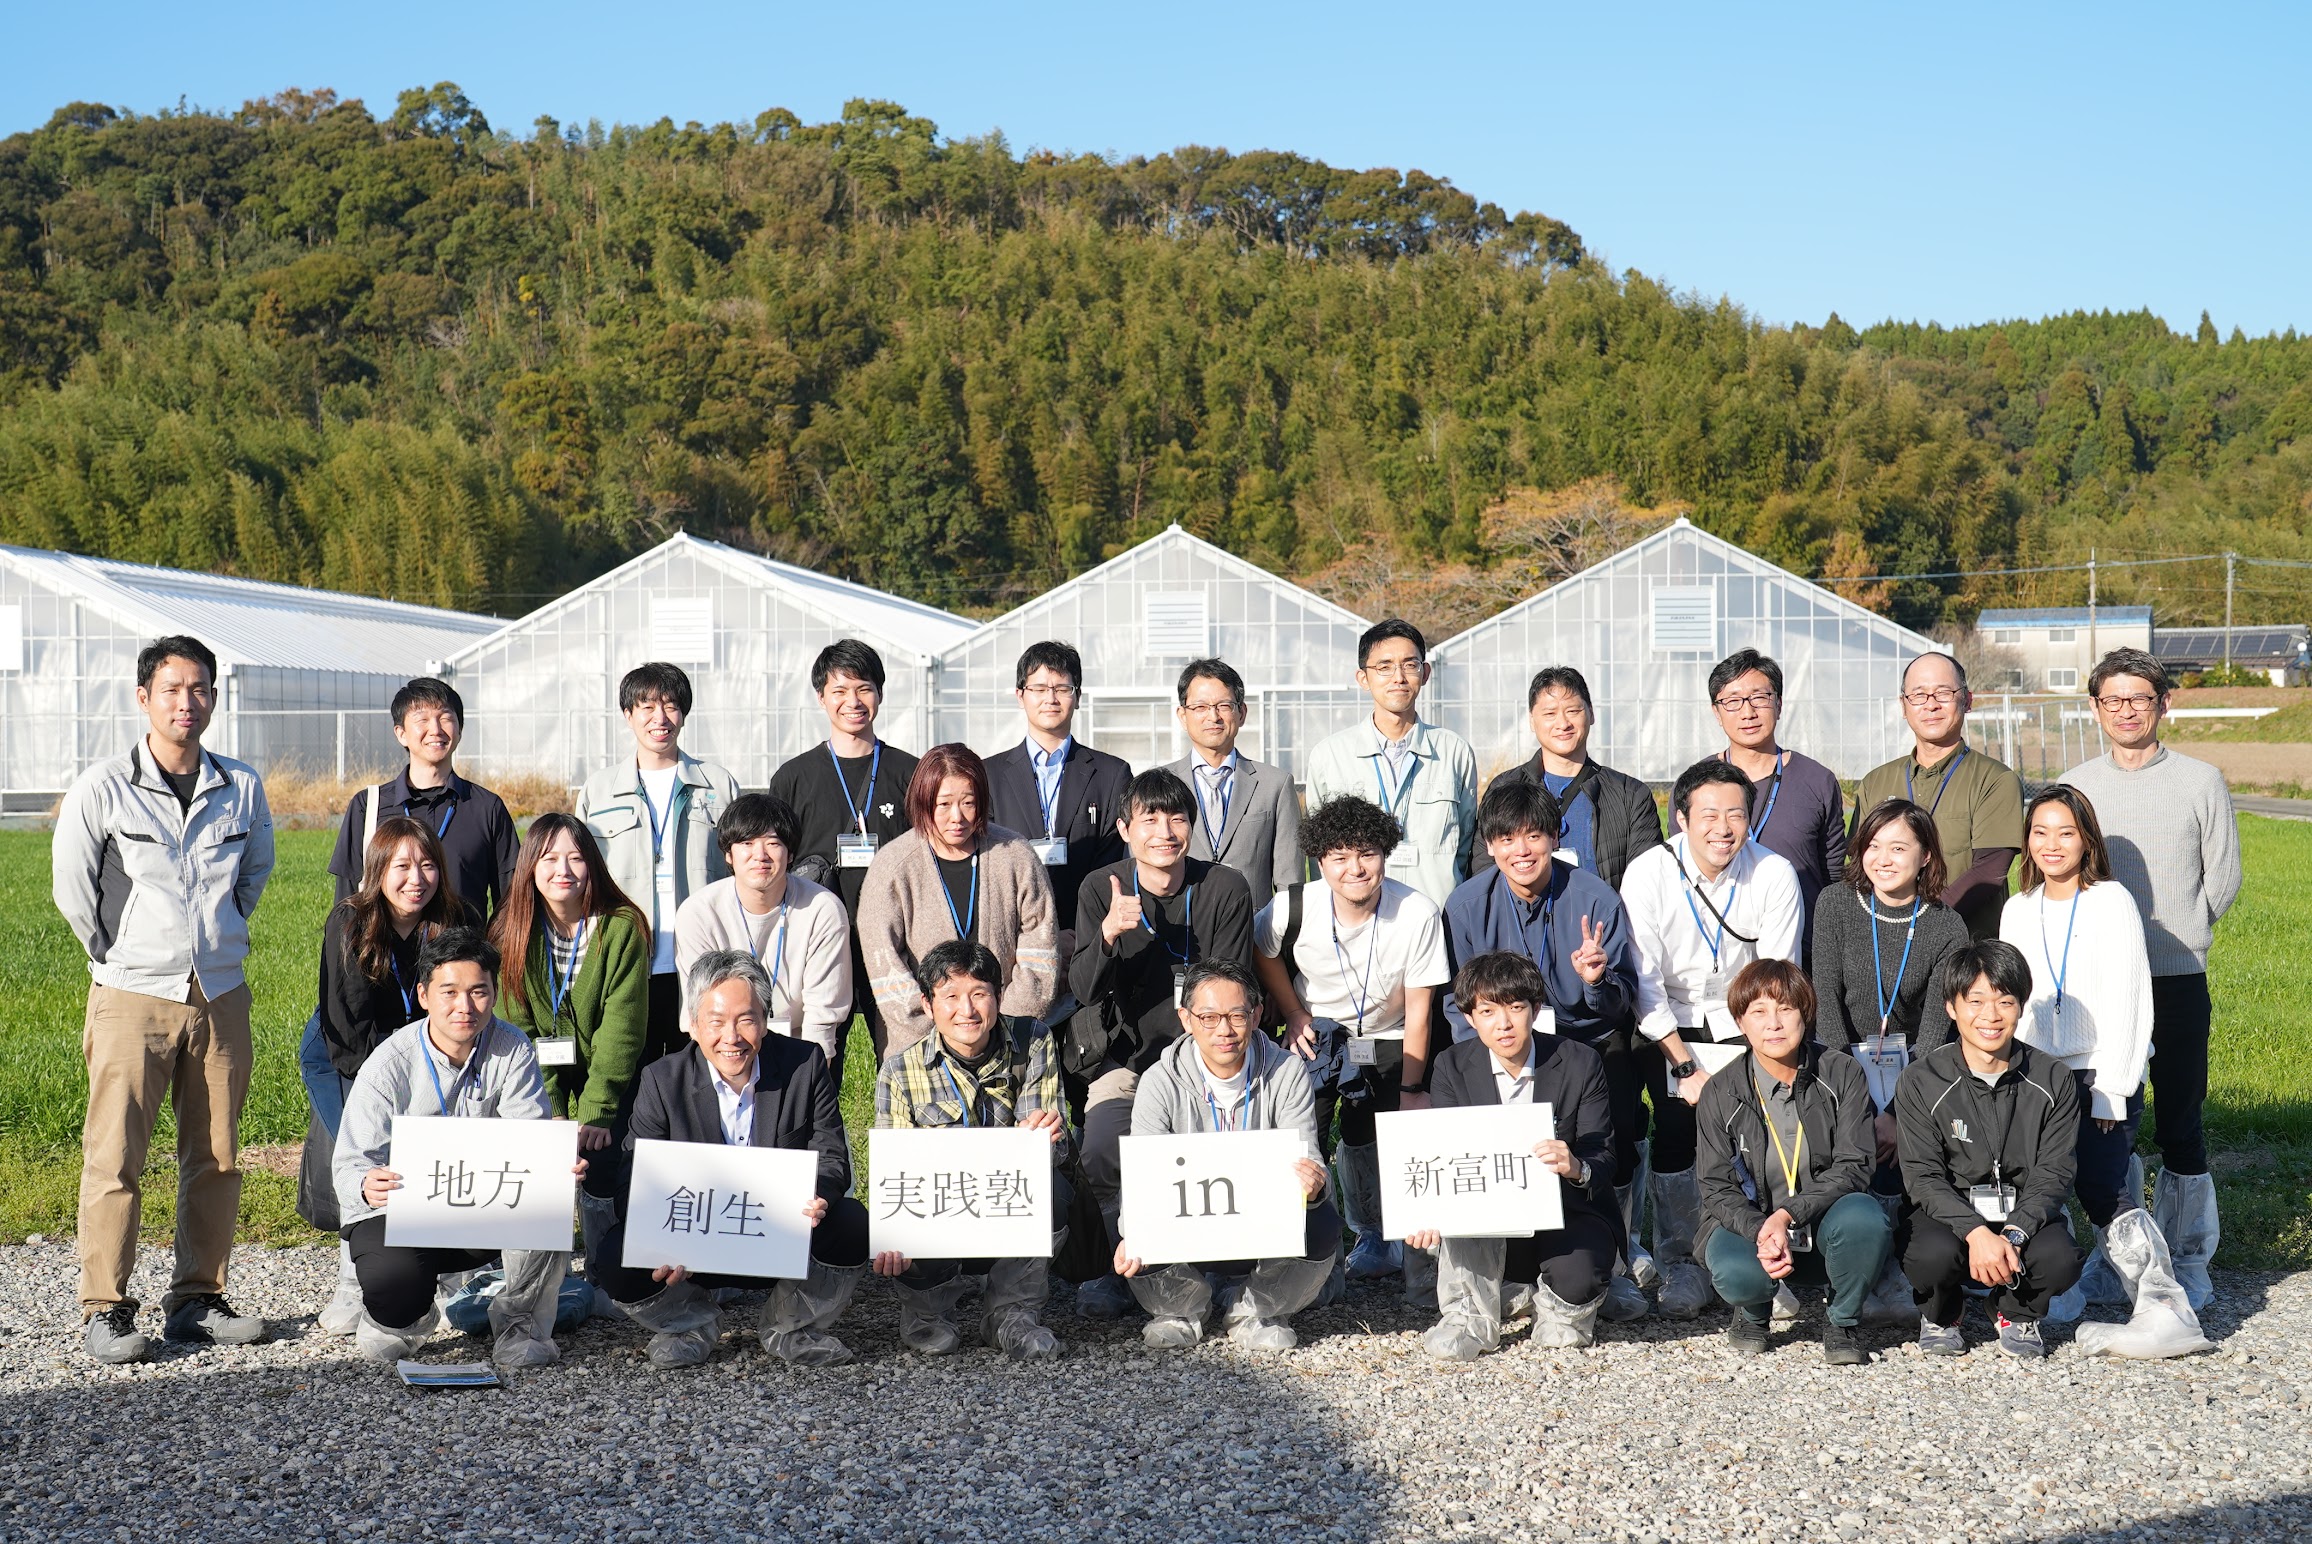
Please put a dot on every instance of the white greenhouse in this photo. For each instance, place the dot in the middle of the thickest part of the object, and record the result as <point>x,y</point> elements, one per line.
<point>1645,626</point>
<point>304,675</point>
<point>542,693</point>
<point>1137,619</point>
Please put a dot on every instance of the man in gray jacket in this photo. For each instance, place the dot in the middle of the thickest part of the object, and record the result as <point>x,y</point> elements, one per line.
<point>159,858</point>
<point>1224,1075</point>
<point>1247,818</point>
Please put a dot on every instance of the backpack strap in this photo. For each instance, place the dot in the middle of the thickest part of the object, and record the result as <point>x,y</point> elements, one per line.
<point>1292,926</point>
<point>369,818</point>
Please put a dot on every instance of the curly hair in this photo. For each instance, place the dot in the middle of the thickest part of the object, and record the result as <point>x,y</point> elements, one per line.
<point>1351,824</point>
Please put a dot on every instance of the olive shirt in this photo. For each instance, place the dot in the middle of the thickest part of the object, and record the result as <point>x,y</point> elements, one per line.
<point>1977,802</point>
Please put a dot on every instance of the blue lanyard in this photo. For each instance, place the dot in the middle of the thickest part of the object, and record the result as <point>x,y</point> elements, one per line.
<point>1911,765</point>
<point>1886,999</point>
<point>657,825</point>
<point>867,795</point>
<point>1691,887</point>
<point>556,984</point>
<point>473,1059</point>
<point>970,905</point>
<point>1244,1111</point>
<point>1050,806</point>
<point>1227,782</point>
<point>1404,784</point>
<point>448,810</point>
<point>1361,991</point>
<point>408,996</point>
<point>1187,923</point>
<point>2063,970</point>
<point>957,1089</point>
<point>1774,792</point>
<point>778,940</point>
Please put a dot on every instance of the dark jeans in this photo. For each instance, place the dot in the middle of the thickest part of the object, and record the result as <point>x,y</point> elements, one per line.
<point>839,1240</point>
<point>1935,1259</point>
<point>931,1273</point>
<point>1628,1056</point>
<point>397,1283</point>
<point>1574,1260</point>
<point>2180,1013</point>
<point>2103,1157</point>
<point>1850,1249</point>
<point>664,1032</point>
<point>1674,1138</point>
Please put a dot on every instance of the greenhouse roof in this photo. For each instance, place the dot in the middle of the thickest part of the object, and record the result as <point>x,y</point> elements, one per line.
<point>1196,546</point>
<point>250,622</point>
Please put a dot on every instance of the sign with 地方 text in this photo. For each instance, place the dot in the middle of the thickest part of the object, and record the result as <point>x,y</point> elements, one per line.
<point>481,1183</point>
<point>1468,1172</point>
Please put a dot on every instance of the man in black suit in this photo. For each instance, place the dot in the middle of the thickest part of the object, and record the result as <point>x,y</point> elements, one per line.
<point>743,1087</point>
<point>1056,791</point>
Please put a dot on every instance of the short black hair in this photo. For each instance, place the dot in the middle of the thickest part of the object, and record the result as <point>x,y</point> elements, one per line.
<point>174,646</point>
<point>1712,769</point>
<point>1349,823</point>
<point>1381,632</point>
<point>1052,655</point>
<point>752,816</point>
<point>847,656</point>
<point>1211,670</point>
<point>1739,664</point>
<point>1993,960</point>
<point>2134,662</point>
<point>1514,804</point>
<point>428,692</point>
<point>656,681</point>
<point>1501,976</point>
<point>456,946</point>
<point>1158,789</point>
<point>1222,970</point>
<point>958,957</point>
<point>1561,678</point>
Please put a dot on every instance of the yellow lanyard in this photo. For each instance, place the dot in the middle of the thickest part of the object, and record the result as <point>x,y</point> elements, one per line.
<point>1787,1158</point>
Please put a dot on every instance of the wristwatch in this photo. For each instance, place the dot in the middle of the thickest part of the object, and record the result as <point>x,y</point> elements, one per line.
<point>1581,1177</point>
<point>2015,1235</point>
<point>1681,1071</point>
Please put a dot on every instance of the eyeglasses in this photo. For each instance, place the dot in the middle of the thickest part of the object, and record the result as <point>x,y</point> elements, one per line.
<point>1404,671</point>
<point>1048,693</point>
<point>1211,709</point>
<point>1940,696</point>
<point>1235,1018</point>
<point>2126,704</point>
<point>1758,700</point>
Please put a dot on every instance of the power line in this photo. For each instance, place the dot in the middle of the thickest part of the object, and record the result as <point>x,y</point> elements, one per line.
<point>2045,568</point>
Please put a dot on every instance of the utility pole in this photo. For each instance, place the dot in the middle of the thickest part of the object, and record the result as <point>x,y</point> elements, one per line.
<point>2092,656</point>
<point>2231,567</point>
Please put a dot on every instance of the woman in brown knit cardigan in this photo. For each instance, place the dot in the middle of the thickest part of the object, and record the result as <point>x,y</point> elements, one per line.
<point>955,876</point>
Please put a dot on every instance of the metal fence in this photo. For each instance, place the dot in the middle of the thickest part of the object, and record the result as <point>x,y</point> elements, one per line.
<point>2040,737</point>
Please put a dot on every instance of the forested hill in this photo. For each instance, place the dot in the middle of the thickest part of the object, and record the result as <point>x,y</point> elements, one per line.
<point>419,356</point>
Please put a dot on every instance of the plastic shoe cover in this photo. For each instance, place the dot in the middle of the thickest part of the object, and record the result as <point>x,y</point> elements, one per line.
<point>382,1344</point>
<point>1421,1279</point>
<point>2163,1323</point>
<point>1516,1301</point>
<point>1016,1290</point>
<point>1263,1334</point>
<point>1468,1298</point>
<point>1172,1292</point>
<point>1560,1325</point>
<point>1686,1290</point>
<point>1785,1306</point>
<point>1017,1335</point>
<point>341,1315</point>
<point>1278,1289</point>
<point>797,1316</point>
<point>675,1350</point>
<point>1451,1341</point>
<point>1624,1303</point>
<point>927,1316</point>
<point>2184,1208</point>
<point>1374,1258</point>
<point>675,1308</point>
<point>1105,1297</point>
<point>522,1349</point>
<point>806,1348</point>
<point>522,1314</point>
<point>1891,1300</point>
<point>1170,1332</point>
<point>2103,1286</point>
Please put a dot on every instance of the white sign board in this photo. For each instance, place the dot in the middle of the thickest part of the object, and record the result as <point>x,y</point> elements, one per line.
<point>1213,1196</point>
<point>1685,618</point>
<point>982,1193</point>
<point>1468,1172</point>
<point>481,1183</point>
<point>721,1210</point>
<point>1175,624</point>
<point>682,629</point>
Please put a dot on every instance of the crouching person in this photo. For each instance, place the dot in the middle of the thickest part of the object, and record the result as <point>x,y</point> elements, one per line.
<point>461,1060</point>
<point>741,1085</point>
<point>1565,1269</point>
<point>1988,1130</point>
<point>1223,1075</point>
<point>1787,1146</point>
<point>976,1069</point>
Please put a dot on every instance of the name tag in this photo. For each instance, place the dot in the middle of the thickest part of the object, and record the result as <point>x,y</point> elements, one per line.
<point>1568,857</point>
<point>855,849</point>
<point>1801,1238</point>
<point>556,1051</point>
<point>1179,985</point>
<point>1364,1052</point>
<point>1716,1016</point>
<point>1050,851</point>
<point>1993,1203</point>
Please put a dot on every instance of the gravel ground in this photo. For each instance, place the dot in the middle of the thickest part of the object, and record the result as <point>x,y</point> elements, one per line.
<point>1656,1435</point>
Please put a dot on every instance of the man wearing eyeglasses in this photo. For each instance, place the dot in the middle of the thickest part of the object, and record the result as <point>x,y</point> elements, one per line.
<point>1975,799</point>
<point>1800,812</point>
<point>1246,818</point>
<point>2168,825</point>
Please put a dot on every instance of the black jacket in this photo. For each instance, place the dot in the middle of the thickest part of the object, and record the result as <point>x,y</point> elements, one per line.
<point>1091,796</point>
<point>1835,1112</point>
<point>477,836</point>
<point>1570,1078</point>
<point>1124,994</point>
<point>1948,1124</point>
<point>1625,821</point>
<point>794,1107</point>
<point>358,1014</point>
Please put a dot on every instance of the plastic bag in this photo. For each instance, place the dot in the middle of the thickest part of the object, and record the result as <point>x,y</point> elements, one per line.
<point>2163,1323</point>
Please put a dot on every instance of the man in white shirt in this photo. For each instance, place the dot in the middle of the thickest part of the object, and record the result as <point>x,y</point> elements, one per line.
<point>1353,966</point>
<point>1424,777</point>
<point>1246,816</point>
<point>1700,909</point>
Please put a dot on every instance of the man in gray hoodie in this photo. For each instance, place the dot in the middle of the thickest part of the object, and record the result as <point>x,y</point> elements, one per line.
<point>1224,1075</point>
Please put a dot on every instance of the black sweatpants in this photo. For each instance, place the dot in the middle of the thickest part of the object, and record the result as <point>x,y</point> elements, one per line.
<point>2180,1013</point>
<point>664,1031</point>
<point>1574,1260</point>
<point>840,1240</point>
<point>1628,1058</point>
<point>397,1282</point>
<point>1935,1259</point>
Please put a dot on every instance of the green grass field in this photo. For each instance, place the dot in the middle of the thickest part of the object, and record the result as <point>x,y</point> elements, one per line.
<point>2260,1101</point>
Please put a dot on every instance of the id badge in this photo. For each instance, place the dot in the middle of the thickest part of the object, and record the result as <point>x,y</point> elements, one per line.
<point>1545,1021</point>
<point>1050,851</point>
<point>1364,1052</point>
<point>1883,1059</point>
<point>1802,1238</point>
<point>855,849</point>
<point>1993,1203</point>
<point>1715,1014</point>
<point>556,1051</point>
<point>1179,986</point>
<point>1568,857</point>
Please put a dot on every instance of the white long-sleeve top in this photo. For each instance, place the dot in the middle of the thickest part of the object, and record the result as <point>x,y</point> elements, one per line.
<point>2104,1022</point>
<point>1758,895</point>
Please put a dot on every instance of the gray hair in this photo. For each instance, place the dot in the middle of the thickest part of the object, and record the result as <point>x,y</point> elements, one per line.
<point>716,966</point>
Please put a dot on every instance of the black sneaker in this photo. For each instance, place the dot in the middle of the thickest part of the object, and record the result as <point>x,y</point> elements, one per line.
<point>114,1339</point>
<point>208,1320</point>
<point>1746,1336</point>
<point>1842,1346</point>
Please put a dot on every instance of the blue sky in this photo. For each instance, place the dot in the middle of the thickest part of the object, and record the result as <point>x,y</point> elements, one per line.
<point>1957,162</point>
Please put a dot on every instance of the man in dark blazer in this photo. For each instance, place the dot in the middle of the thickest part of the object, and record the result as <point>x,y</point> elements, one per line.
<point>1056,791</point>
<point>737,1084</point>
<point>1247,818</point>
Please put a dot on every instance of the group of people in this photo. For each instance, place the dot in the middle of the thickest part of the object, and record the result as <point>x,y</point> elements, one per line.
<point>1787,1042</point>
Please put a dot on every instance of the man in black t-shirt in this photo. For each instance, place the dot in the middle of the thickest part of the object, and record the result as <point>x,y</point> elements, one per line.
<point>850,793</point>
<point>475,830</point>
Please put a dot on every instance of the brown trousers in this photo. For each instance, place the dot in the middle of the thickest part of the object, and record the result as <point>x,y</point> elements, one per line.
<point>139,1049</point>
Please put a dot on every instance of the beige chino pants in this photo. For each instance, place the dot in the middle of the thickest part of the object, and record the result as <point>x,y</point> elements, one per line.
<point>140,1049</point>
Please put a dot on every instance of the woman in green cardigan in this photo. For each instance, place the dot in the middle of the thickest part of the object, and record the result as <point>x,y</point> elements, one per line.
<point>576,979</point>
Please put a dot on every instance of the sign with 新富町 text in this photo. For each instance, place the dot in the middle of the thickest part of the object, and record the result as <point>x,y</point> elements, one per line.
<point>1214,1196</point>
<point>481,1183</point>
<point>976,1193</point>
<point>1468,1172</point>
<point>721,1210</point>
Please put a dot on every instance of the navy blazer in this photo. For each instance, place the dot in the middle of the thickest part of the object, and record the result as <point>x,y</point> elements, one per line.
<point>1090,799</point>
<point>795,1106</point>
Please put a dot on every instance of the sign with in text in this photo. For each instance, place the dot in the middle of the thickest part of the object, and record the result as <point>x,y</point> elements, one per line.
<point>1468,1172</point>
<point>481,1183</point>
<point>721,1210</point>
<point>979,1193</point>
<point>1219,1195</point>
